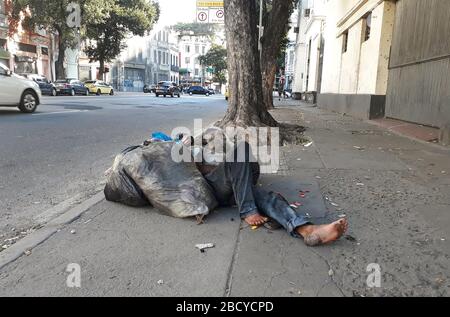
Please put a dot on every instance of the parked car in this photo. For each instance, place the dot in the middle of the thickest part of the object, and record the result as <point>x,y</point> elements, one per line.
<point>71,87</point>
<point>212,91</point>
<point>17,91</point>
<point>149,89</point>
<point>167,88</point>
<point>46,86</point>
<point>198,90</point>
<point>99,87</point>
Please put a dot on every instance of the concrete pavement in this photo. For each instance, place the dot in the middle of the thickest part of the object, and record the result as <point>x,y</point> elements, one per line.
<point>56,157</point>
<point>394,191</point>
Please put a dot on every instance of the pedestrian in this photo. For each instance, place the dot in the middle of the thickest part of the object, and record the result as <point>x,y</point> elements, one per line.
<point>281,92</point>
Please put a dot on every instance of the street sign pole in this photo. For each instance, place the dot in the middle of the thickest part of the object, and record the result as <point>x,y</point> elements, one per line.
<point>260,27</point>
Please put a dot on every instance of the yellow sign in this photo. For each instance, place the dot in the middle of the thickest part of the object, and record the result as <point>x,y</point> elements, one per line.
<point>209,4</point>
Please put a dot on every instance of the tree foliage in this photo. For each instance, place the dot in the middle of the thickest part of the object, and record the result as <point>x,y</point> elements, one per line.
<point>114,21</point>
<point>195,29</point>
<point>216,58</point>
<point>50,15</point>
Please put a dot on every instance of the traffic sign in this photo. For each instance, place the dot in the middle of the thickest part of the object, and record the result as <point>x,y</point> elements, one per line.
<point>210,11</point>
<point>210,4</point>
<point>203,16</point>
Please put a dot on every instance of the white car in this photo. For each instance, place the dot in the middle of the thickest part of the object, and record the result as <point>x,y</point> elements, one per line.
<point>16,91</point>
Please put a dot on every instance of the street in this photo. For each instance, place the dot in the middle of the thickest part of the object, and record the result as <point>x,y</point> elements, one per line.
<point>60,152</point>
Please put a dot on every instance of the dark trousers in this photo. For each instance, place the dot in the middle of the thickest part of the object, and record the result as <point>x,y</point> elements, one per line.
<point>235,182</point>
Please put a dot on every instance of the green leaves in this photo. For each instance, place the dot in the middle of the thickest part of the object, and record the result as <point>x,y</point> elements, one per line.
<point>197,29</point>
<point>216,61</point>
<point>110,22</point>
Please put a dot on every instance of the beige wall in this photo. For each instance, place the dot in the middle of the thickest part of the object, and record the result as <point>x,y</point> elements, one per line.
<point>385,47</point>
<point>363,69</point>
<point>350,61</point>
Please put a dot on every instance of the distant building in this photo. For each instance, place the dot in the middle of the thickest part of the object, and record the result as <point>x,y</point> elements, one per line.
<point>174,52</point>
<point>29,52</point>
<point>291,49</point>
<point>309,48</point>
<point>299,72</point>
<point>146,61</point>
<point>191,48</point>
<point>5,55</point>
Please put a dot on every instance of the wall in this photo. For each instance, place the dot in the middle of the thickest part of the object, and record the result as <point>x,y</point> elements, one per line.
<point>363,69</point>
<point>419,84</point>
<point>348,81</point>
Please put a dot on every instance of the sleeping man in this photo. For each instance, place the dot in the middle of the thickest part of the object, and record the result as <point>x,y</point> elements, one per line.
<point>235,182</point>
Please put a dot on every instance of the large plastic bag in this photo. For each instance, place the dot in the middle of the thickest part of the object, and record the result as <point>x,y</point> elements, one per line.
<point>147,174</point>
<point>120,187</point>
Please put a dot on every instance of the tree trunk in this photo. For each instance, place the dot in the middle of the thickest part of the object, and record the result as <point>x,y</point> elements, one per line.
<point>269,73</point>
<point>274,32</point>
<point>59,65</point>
<point>246,104</point>
<point>101,72</point>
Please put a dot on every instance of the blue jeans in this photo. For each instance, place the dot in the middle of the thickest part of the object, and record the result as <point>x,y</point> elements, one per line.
<point>235,182</point>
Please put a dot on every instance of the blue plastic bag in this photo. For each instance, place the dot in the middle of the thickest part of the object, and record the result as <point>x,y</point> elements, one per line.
<point>161,136</point>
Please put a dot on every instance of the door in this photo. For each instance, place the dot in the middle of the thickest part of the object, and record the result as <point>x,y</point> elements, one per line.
<point>79,87</point>
<point>9,93</point>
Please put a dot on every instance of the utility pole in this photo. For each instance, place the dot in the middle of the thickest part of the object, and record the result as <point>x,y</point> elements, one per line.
<point>261,28</point>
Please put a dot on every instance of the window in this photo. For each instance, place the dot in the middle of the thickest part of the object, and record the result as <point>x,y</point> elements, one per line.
<point>44,50</point>
<point>197,49</point>
<point>2,7</point>
<point>159,57</point>
<point>367,26</point>
<point>203,50</point>
<point>27,48</point>
<point>345,41</point>
<point>155,58</point>
<point>188,49</point>
<point>196,72</point>
<point>187,60</point>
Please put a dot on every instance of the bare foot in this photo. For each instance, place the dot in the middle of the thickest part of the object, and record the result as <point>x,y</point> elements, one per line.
<point>256,220</point>
<point>317,235</point>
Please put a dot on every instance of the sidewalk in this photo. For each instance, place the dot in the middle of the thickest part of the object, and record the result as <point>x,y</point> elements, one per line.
<point>394,191</point>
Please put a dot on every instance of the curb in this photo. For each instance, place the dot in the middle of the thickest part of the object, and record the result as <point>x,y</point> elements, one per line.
<point>41,235</point>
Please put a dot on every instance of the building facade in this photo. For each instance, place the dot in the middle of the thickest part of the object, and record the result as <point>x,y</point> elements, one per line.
<point>299,50</point>
<point>310,48</point>
<point>174,58</point>
<point>147,61</point>
<point>5,55</point>
<point>358,38</point>
<point>418,89</point>
<point>191,48</point>
<point>26,51</point>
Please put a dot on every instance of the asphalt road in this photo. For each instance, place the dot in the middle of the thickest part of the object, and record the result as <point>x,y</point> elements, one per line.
<point>60,153</point>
